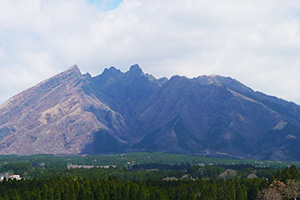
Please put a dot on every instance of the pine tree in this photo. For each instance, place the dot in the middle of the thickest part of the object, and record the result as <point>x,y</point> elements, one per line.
<point>124,191</point>
<point>44,192</point>
<point>72,191</point>
<point>65,195</point>
<point>241,192</point>
<point>141,194</point>
<point>15,195</point>
<point>57,195</point>
<point>76,189</point>
<point>98,195</point>
<point>50,194</point>
<point>82,193</point>
<point>294,173</point>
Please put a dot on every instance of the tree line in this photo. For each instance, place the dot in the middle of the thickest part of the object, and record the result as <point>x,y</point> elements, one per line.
<point>57,188</point>
<point>141,182</point>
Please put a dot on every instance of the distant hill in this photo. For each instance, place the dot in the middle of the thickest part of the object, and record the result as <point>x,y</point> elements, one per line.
<point>114,112</point>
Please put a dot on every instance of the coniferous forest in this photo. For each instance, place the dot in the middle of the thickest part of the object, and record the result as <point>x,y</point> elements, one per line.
<point>68,178</point>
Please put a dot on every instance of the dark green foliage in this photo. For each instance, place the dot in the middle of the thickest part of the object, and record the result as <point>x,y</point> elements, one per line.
<point>114,189</point>
<point>288,173</point>
<point>68,188</point>
<point>17,168</point>
<point>139,182</point>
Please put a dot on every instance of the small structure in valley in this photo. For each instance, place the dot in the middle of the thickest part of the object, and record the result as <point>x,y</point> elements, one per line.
<point>170,179</point>
<point>12,177</point>
<point>15,177</point>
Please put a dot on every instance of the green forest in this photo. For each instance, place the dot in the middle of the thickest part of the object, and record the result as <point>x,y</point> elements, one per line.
<point>146,176</point>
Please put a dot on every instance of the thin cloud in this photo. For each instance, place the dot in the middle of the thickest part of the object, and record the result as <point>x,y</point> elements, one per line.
<point>256,42</point>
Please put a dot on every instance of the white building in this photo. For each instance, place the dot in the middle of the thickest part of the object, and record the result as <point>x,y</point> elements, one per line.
<point>15,177</point>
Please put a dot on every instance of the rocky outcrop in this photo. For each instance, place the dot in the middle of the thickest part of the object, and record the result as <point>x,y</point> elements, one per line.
<point>72,113</point>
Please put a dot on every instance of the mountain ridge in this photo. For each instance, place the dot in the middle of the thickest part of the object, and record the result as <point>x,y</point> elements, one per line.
<point>116,111</point>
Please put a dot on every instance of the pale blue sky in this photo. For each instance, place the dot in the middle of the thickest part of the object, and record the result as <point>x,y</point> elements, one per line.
<point>106,4</point>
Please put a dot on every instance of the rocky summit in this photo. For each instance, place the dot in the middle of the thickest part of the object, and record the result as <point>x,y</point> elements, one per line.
<point>115,112</point>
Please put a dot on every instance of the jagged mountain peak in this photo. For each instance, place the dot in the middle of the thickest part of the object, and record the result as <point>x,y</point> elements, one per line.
<point>70,76</point>
<point>124,91</point>
<point>111,71</point>
<point>72,113</point>
<point>73,68</point>
<point>135,70</point>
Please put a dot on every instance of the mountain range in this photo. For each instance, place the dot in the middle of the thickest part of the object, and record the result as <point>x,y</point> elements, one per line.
<point>115,112</point>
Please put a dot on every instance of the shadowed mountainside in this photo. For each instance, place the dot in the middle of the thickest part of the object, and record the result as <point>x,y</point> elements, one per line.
<point>72,113</point>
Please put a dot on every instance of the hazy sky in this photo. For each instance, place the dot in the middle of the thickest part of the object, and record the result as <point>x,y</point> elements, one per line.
<point>256,42</point>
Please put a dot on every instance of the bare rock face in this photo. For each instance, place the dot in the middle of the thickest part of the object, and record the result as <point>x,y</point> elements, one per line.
<point>72,113</point>
<point>53,117</point>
